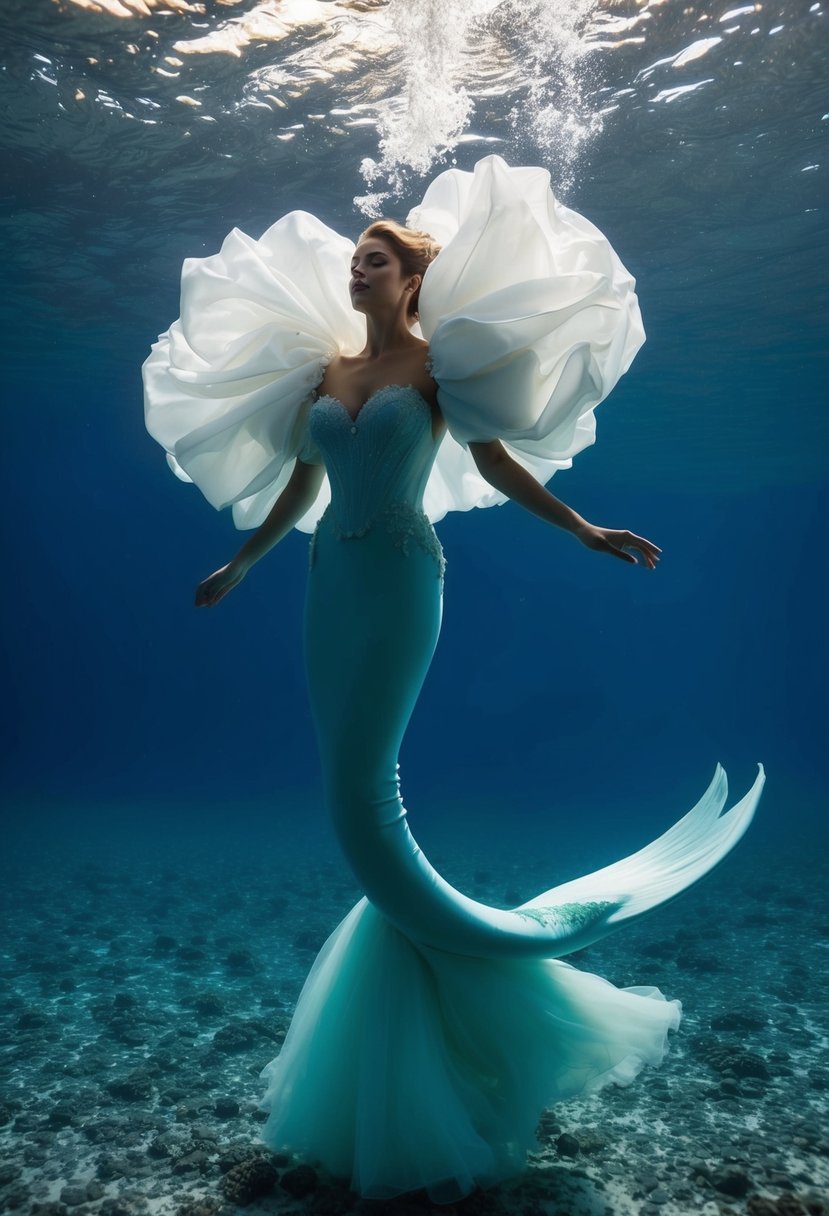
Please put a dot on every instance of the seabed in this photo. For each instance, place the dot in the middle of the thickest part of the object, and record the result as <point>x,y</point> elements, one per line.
<point>144,992</point>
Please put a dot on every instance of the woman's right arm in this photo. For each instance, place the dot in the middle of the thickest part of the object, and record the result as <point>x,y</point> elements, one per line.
<point>298,497</point>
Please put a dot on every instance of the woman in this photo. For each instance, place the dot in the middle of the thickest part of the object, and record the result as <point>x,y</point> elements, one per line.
<point>433,1029</point>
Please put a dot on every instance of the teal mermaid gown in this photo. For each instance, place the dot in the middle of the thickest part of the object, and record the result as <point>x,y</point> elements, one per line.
<point>432,1030</point>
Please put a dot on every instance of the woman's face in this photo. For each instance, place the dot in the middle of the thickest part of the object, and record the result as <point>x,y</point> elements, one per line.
<point>378,284</point>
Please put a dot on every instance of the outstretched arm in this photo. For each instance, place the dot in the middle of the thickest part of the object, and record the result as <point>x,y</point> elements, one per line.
<point>505,474</point>
<point>298,497</point>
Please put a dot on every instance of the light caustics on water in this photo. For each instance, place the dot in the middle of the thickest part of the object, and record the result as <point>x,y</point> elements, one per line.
<point>421,76</point>
<point>431,114</point>
<point>135,129</point>
<point>444,57</point>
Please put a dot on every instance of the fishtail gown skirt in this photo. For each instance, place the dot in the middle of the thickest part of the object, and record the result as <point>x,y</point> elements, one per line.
<point>424,1047</point>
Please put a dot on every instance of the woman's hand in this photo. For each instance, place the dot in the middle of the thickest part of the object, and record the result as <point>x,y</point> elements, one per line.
<point>505,474</point>
<point>217,585</point>
<point>615,542</point>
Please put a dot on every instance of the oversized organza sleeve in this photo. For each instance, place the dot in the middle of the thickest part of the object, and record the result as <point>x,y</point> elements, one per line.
<point>531,320</point>
<point>228,387</point>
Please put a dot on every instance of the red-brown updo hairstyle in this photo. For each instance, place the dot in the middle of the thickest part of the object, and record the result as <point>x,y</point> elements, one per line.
<point>414,249</point>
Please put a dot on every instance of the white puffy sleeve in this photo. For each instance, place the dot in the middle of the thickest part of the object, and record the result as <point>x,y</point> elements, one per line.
<point>228,387</point>
<point>531,320</point>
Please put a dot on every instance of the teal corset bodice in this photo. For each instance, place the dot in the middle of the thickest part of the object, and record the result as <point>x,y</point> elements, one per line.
<point>378,464</point>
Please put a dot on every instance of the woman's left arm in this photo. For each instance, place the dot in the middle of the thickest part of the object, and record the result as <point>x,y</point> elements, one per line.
<point>506,475</point>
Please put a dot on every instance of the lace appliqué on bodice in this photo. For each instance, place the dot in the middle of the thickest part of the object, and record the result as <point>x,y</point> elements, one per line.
<point>403,522</point>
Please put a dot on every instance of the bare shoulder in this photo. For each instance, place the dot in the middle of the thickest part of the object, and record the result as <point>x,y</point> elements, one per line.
<point>332,372</point>
<point>419,374</point>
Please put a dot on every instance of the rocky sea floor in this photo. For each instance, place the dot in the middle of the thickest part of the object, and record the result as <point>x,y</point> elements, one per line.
<point>143,992</point>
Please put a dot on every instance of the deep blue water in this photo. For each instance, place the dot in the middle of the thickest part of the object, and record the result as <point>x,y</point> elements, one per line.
<point>564,684</point>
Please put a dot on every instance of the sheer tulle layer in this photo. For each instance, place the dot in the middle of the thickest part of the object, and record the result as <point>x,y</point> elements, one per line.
<point>530,315</point>
<point>407,1068</point>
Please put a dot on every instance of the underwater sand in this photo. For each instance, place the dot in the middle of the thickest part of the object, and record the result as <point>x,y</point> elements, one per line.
<point>146,984</point>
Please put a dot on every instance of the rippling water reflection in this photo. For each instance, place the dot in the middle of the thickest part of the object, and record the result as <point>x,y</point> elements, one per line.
<point>139,131</point>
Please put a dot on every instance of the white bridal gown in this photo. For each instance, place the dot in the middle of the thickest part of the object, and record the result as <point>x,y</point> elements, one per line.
<point>432,1029</point>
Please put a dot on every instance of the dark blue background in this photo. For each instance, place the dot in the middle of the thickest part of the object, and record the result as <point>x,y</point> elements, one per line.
<point>568,688</point>
<point>564,682</point>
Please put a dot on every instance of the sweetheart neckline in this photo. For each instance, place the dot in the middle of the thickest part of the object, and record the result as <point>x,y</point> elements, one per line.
<point>353,417</point>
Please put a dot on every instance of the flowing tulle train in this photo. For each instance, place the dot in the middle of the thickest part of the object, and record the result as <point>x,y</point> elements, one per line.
<point>405,1067</point>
